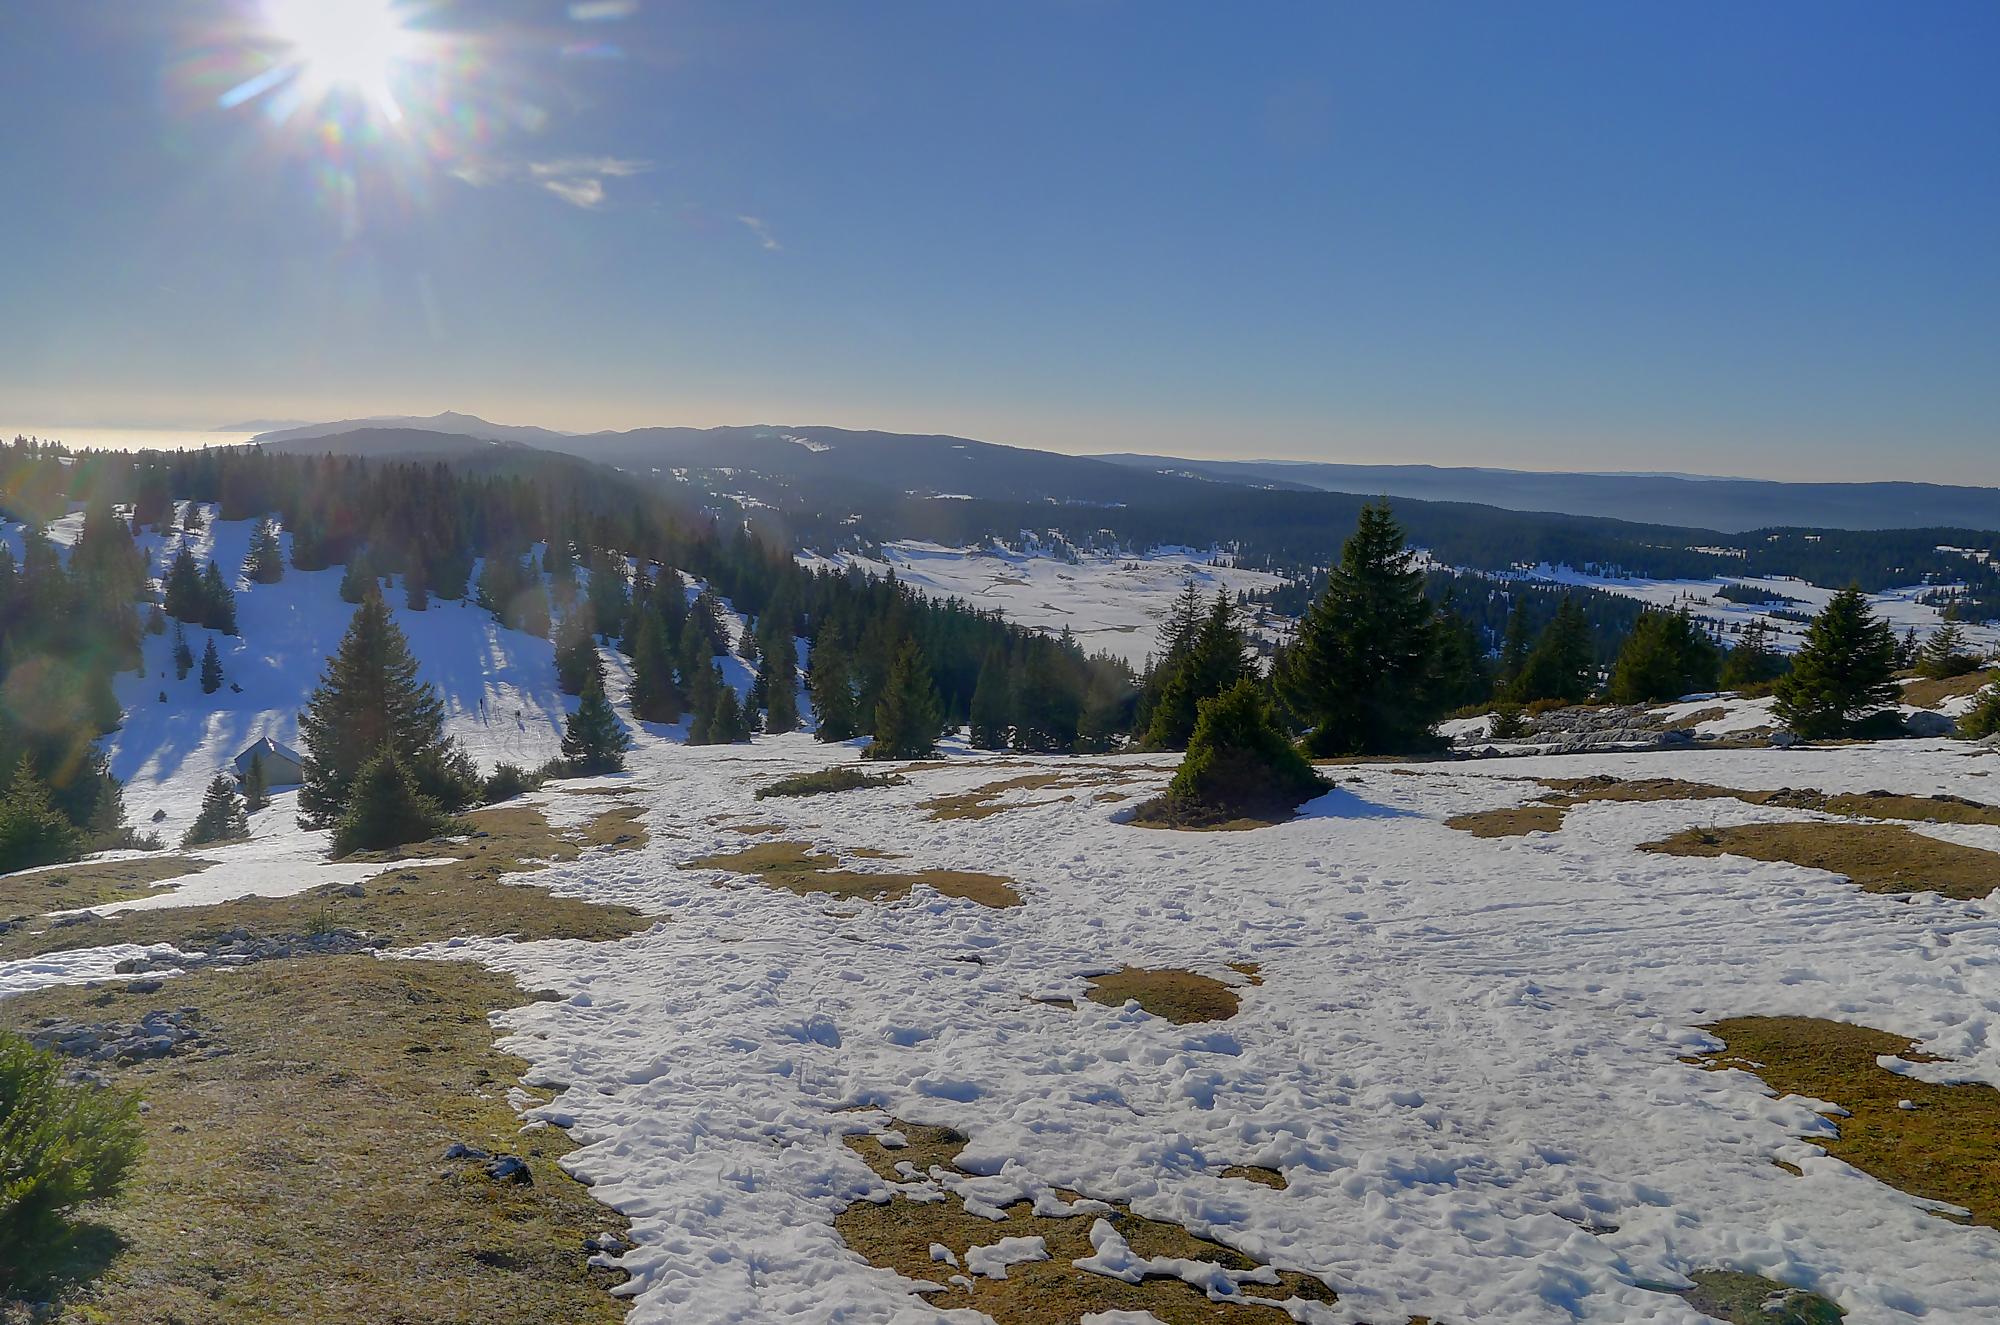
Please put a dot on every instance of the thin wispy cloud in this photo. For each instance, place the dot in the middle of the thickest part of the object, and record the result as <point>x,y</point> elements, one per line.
<point>765,240</point>
<point>578,180</point>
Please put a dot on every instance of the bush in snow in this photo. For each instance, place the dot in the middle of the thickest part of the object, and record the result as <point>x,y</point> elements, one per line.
<point>61,1145</point>
<point>1945,655</point>
<point>594,741</point>
<point>223,817</point>
<point>1983,719</point>
<point>1238,766</point>
<point>386,809</point>
<point>1666,655</point>
<point>507,782</point>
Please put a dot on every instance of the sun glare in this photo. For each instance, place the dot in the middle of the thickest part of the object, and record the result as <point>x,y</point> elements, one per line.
<point>345,45</point>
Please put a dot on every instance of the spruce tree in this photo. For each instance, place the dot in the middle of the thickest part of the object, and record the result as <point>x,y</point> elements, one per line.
<point>192,521</point>
<point>355,581</point>
<point>727,722</point>
<point>182,598</point>
<point>1563,664</point>
<point>211,668</point>
<point>32,830</point>
<point>183,655</point>
<point>1215,658</point>
<point>1358,674</point>
<point>989,703</point>
<point>1944,655</point>
<point>1753,661</point>
<point>576,655</point>
<point>1844,672</point>
<point>653,697</point>
<point>1666,655</point>
<point>1046,708</point>
<point>266,563</point>
<point>218,601</point>
<point>1514,648</point>
<point>1983,718</point>
<point>385,808</point>
<point>1238,765</point>
<point>256,784</point>
<point>416,592</point>
<point>780,677</point>
<point>223,816</point>
<point>906,717</point>
<point>832,687</point>
<point>371,700</point>
<point>594,741</point>
<point>703,683</point>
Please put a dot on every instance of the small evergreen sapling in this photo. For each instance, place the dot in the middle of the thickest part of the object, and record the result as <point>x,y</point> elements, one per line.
<point>1239,765</point>
<point>1666,655</point>
<point>386,809</point>
<point>266,562</point>
<point>1983,718</point>
<point>256,785</point>
<point>183,655</point>
<point>32,830</point>
<point>1945,655</point>
<point>63,1145</point>
<point>223,816</point>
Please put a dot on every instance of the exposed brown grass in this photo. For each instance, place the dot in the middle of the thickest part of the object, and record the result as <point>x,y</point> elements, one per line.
<point>1924,693</point>
<point>1252,973</point>
<point>796,867</point>
<point>983,802</point>
<point>898,1234</point>
<point>1257,1173</point>
<point>298,1174</point>
<point>1515,821</point>
<point>1180,996</point>
<point>1879,858</point>
<point>92,883</point>
<point>1547,814</point>
<point>467,895</point>
<point>1946,1148</point>
<point>1181,817</point>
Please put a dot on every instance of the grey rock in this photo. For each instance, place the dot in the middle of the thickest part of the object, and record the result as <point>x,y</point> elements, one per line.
<point>1783,740</point>
<point>510,1168</point>
<point>1925,725</point>
<point>459,1150</point>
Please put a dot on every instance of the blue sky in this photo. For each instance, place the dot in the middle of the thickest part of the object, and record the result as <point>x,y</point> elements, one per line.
<point>1719,238</point>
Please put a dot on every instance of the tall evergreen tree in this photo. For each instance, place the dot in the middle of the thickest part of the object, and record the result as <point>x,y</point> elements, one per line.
<point>906,717</point>
<point>1215,658</point>
<point>727,722</point>
<point>223,817</point>
<point>1046,708</point>
<point>32,830</point>
<point>256,785</point>
<point>576,655</point>
<point>218,601</point>
<point>832,689</point>
<point>779,674</point>
<point>989,703</point>
<point>211,668</point>
<point>1514,649</point>
<point>653,697</point>
<point>594,741</point>
<point>266,563</point>
<point>1752,661</point>
<point>183,655</point>
<point>1358,674</point>
<point>703,683</point>
<point>1945,654</point>
<point>371,701</point>
<point>183,598</point>
<point>1666,655</point>
<point>1844,672</point>
<point>1563,664</point>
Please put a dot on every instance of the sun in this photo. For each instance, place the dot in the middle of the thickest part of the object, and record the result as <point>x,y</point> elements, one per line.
<point>350,46</point>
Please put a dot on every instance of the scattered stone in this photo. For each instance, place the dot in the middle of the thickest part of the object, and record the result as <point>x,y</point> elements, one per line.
<point>1926,725</point>
<point>460,1150</point>
<point>156,1035</point>
<point>510,1168</point>
<point>608,1243</point>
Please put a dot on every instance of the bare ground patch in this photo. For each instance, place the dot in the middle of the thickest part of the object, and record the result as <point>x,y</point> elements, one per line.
<point>294,1169</point>
<point>899,1234</point>
<point>1751,1299</point>
<point>1259,1174</point>
<point>991,799</point>
<point>1878,858</point>
<point>796,867</point>
<point>1180,996</point>
<point>1547,814</point>
<point>466,894</point>
<point>1514,821</point>
<point>1925,693</point>
<point>92,883</point>
<point>1946,1147</point>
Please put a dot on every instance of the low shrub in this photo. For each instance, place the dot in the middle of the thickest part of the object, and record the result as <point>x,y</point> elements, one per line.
<point>62,1145</point>
<point>508,781</point>
<point>841,777</point>
<point>1239,765</point>
<point>386,810</point>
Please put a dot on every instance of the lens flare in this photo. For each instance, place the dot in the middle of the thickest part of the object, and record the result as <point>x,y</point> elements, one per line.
<point>345,46</point>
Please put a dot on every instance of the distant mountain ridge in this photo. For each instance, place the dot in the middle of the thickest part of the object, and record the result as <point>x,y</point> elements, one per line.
<point>1730,505</point>
<point>835,463</point>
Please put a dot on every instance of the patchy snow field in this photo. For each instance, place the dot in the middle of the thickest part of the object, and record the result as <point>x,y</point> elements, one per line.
<point>1899,607</point>
<point>1113,604</point>
<point>1462,1052</point>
